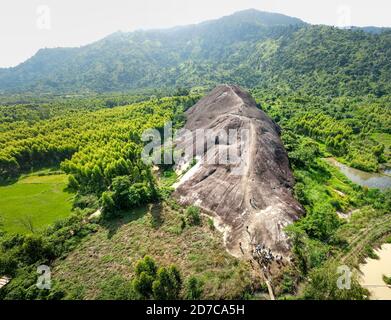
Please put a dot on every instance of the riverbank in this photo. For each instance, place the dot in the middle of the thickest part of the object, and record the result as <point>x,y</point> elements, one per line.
<point>362,178</point>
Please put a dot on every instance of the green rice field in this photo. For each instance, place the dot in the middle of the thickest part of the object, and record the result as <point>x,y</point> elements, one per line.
<point>34,202</point>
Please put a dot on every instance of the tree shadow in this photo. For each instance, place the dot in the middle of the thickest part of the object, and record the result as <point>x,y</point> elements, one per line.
<point>320,173</point>
<point>156,213</point>
<point>123,218</point>
<point>8,182</point>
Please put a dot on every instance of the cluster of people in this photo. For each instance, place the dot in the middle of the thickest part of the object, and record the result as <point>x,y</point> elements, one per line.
<point>265,255</point>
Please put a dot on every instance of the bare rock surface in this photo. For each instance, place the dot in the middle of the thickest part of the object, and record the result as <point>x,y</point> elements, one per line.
<point>251,199</point>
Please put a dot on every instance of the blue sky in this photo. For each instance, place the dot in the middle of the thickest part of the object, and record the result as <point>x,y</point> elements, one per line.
<point>28,25</point>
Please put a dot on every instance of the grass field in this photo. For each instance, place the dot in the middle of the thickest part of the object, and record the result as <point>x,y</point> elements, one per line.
<point>34,202</point>
<point>109,256</point>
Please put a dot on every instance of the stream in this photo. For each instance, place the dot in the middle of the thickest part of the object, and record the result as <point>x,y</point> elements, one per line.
<point>366,179</point>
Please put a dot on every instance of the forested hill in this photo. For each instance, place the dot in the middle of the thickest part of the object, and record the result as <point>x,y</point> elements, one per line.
<point>249,48</point>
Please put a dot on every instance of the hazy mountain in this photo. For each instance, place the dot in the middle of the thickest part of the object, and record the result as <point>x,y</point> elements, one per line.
<point>250,48</point>
<point>371,29</point>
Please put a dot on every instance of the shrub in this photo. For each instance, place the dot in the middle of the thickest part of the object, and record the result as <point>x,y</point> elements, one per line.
<point>147,265</point>
<point>34,249</point>
<point>324,286</point>
<point>142,285</point>
<point>8,264</point>
<point>211,224</point>
<point>72,183</point>
<point>193,215</point>
<point>157,283</point>
<point>167,284</point>
<point>145,275</point>
<point>300,195</point>
<point>86,201</point>
<point>126,195</point>
<point>108,204</point>
<point>387,280</point>
<point>194,288</point>
<point>322,223</point>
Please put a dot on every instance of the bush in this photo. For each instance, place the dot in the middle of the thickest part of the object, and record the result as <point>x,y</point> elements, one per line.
<point>147,265</point>
<point>73,184</point>
<point>34,249</point>
<point>142,285</point>
<point>138,194</point>
<point>86,201</point>
<point>193,216</point>
<point>167,284</point>
<point>322,223</point>
<point>299,193</point>
<point>157,283</point>
<point>211,224</point>
<point>387,280</point>
<point>145,275</point>
<point>8,264</point>
<point>288,285</point>
<point>194,288</point>
<point>108,204</point>
<point>324,286</point>
<point>126,195</point>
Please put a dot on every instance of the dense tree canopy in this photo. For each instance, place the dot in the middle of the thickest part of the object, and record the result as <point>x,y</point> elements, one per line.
<point>249,48</point>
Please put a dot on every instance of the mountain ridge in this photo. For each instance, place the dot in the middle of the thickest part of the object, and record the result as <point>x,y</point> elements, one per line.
<point>247,48</point>
<point>251,199</point>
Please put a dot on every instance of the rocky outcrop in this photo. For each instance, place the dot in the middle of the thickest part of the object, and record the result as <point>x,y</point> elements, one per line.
<point>249,196</point>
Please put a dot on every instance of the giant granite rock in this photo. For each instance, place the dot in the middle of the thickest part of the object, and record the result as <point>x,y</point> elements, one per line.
<point>251,199</point>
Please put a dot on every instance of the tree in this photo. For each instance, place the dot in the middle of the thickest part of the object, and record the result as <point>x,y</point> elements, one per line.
<point>324,285</point>
<point>158,283</point>
<point>193,215</point>
<point>108,204</point>
<point>167,284</point>
<point>72,183</point>
<point>145,276</point>
<point>193,288</point>
<point>321,223</point>
<point>304,153</point>
<point>142,285</point>
<point>35,248</point>
<point>120,188</point>
<point>147,265</point>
